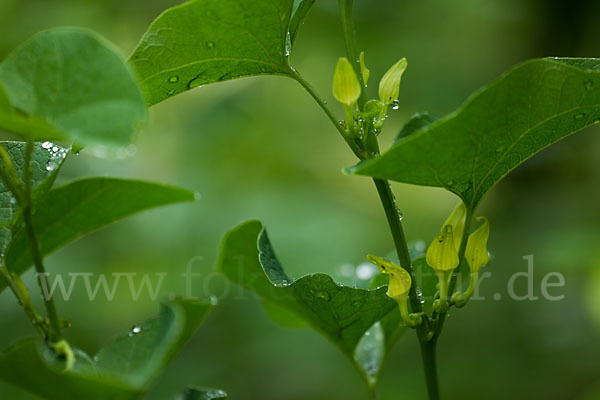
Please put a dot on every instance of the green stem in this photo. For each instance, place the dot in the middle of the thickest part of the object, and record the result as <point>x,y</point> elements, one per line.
<point>346,7</point>
<point>323,104</point>
<point>428,353</point>
<point>15,185</point>
<point>54,332</point>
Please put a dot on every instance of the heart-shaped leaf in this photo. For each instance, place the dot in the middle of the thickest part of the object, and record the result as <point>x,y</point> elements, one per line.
<point>70,84</point>
<point>527,109</point>
<point>342,314</point>
<point>70,211</point>
<point>207,41</point>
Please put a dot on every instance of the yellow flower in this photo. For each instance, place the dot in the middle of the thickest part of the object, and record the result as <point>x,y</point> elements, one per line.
<point>389,86</point>
<point>477,253</point>
<point>400,280</point>
<point>457,220</point>
<point>346,88</point>
<point>443,258</point>
<point>442,254</point>
<point>398,287</point>
<point>477,256</point>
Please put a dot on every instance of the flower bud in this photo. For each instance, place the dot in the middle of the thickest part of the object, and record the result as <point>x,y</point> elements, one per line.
<point>346,88</point>
<point>363,68</point>
<point>389,86</point>
<point>476,252</point>
<point>442,254</point>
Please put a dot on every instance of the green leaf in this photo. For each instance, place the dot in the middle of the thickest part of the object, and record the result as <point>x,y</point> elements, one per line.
<point>30,365</point>
<point>70,211</point>
<point>207,41</point>
<point>527,109</point>
<point>342,314</point>
<point>46,161</point>
<point>197,393</point>
<point>137,357</point>
<point>123,370</point>
<point>70,84</point>
<point>416,123</point>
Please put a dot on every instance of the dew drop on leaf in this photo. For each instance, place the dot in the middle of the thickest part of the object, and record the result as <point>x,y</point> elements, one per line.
<point>136,329</point>
<point>174,79</point>
<point>210,44</point>
<point>51,166</point>
<point>588,84</point>
<point>579,116</point>
<point>395,105</point>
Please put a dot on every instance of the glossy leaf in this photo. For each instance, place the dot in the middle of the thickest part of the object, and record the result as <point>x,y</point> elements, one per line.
<point>70,211</point>
<point>530,107</point>
<point>46,161</point>
<point>123,370</point>
<point>138,356</point>
<point>342,314</point>
<point>70,84</point>
<point>207,41</point>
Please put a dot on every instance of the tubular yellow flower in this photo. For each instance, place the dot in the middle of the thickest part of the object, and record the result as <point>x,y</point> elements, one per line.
<point>441,254</point>
<point>476,252</point>
<point>346,88</point>
<point>443,258</point>
<point>457,221</point>
<point>389,86</point>
<point>398,287</point>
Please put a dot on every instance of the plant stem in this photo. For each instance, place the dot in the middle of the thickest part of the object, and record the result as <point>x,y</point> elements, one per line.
<point>428,350</point>
<point>391,212</point>
<point>346,7</point>
<point>54,334</point>
<point>424,334</point>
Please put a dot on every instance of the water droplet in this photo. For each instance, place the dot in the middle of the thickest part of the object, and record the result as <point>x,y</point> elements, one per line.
<point>13,200</point>
<point>450,183</point>
<point>47,145</point>
<point>171,92</point>
<point>395,105</point>
<point>210,44</point>
<point>174,79</point>
<point>197,196</point>
<point>136,329</point>
<point>499,149</point>
<point>288,44</point>
<point>588,84</point>
<point>400,214</point>
<point>51,166</point>
<point>579,116</point>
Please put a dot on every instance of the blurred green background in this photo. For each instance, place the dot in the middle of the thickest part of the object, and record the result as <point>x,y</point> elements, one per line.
<point>260,148</point>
